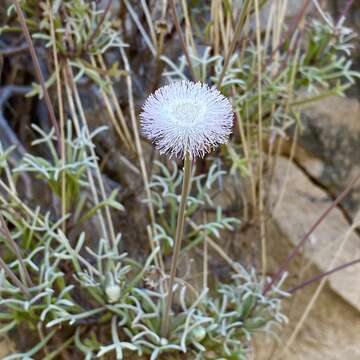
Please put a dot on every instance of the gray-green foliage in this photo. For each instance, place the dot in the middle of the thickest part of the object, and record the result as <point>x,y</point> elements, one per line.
<point>75,285</point>
<point>166,187</point>
<point>93,298</point>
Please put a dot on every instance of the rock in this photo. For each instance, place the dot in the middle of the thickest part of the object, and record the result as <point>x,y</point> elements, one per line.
<point>332,327</point>
<point>6,347</point>
<point>328,148</point>
<point>301,205</point>
<point>331,331</point>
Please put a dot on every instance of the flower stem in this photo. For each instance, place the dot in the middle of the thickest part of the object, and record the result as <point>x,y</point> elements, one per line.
<point>178,239</point>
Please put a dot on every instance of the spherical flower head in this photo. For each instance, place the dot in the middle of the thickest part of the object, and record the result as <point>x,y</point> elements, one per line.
<point>187,117</point>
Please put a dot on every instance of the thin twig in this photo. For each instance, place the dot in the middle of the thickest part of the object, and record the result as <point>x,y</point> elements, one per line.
<point>322,275</point>
<point>38,72</point>
<point>296,25</point>
<point>20,203</point>
<point>345,11</point>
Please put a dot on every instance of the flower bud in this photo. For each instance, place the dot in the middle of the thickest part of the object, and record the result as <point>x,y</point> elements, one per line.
<point>113,293</point>
<point>199,333</point>
<point>112,289</point>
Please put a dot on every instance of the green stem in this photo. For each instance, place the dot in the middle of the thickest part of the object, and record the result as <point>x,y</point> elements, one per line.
<point>177,248</point>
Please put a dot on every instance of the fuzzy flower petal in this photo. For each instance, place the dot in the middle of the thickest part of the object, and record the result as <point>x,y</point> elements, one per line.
<point>187,116</point>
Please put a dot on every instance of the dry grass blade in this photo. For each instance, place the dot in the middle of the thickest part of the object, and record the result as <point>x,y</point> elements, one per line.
<point>6,232</point>
<point>14,278</point>
<point>260,142</point>
<point>122,128</point>
<point>239,26</point>
<point>141,29</point>
<point>60,110</point>
<point>75,119</point>
<point>100,182</point>
<point>182,40</point>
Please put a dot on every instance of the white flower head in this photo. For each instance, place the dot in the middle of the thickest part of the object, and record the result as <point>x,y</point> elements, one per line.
<point>187,117</point>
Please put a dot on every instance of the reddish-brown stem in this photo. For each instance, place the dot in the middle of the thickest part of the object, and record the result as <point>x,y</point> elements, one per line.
<point>320,276</point>
<point>345,11</point>
<point>38,73</point>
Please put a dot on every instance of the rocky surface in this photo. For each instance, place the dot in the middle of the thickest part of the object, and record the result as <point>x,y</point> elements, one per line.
<point>331,244</point>
<point>5,348</point>
<point>328,147</point>
<point>332,329</point>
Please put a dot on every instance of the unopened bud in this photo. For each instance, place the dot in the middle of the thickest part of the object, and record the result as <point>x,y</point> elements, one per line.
<point>113,293</point>
<point>112,289</point>
<point>199,333</point>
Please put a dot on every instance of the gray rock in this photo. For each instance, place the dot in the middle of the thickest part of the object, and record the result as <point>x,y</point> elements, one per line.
<point>331,244</point>
<point>331,328</point>
<point>329,146</point>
